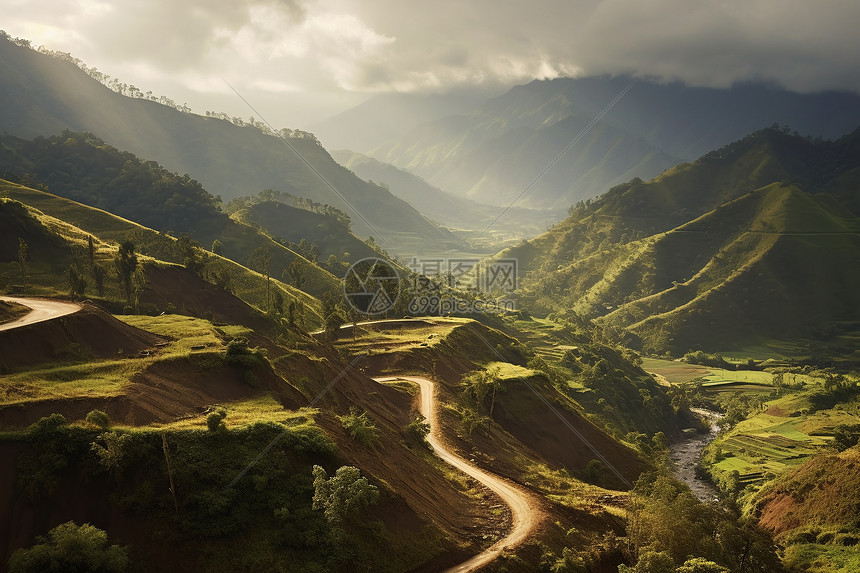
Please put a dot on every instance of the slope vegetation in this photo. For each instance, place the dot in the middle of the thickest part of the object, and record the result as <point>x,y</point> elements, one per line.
<point>43,95</point>
<point>752,242</point>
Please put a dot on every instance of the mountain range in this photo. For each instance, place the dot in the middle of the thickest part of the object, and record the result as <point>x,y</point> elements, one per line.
<point>612,128</point>
<point>757,241</point>
<point>42,95</point>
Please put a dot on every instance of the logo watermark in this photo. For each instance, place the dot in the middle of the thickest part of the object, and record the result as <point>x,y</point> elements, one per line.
<point>371,286</point>
<point>435,287</point>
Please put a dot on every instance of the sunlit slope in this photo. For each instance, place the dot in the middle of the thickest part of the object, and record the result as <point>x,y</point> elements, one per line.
<point>43,95</point>
<point>71,223</point>
<point>754,241</point>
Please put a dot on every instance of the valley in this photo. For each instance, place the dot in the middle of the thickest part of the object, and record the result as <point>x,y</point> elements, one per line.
<point>598,323</point>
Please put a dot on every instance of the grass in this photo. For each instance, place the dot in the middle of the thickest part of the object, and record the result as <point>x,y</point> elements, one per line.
<point>104,378</point>
<point>815,558</point>
<point>187,332</point>
<point>75,222</point>
<point>108,377</point>
<point>242,413</point>
<point>507,371</point>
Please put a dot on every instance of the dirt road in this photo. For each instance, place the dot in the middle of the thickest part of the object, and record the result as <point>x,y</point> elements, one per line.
<point>525,515</point>
<point>42,309</point>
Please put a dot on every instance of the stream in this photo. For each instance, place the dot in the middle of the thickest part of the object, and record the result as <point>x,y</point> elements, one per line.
<point>685,455</point>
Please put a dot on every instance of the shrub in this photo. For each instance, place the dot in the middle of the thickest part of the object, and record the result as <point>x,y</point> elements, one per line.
<point>418,429</point>
<point>98,419</point>
<point>215,420</point>
<point>70,547</point>
<point>359,426</point>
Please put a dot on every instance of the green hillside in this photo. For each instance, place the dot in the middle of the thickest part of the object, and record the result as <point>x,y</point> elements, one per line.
<point>43,94</point>
<point>294,225</point>
<point>83,168</point>
<point>747,244</point>
<point>62,226</point>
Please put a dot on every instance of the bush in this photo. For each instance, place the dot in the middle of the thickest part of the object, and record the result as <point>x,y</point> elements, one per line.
<point>418,429</point>
<point>98,419</point>
<point>215,420</point>
<point>240,354</point>
<point>359,426</point>
<point>343,495</point>
<point>70,547</point>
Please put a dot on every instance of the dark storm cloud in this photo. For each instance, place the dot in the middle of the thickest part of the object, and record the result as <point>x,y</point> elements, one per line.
<point>334,50</point>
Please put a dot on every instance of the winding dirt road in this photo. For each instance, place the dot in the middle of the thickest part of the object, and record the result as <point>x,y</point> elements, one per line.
<point>42,309</point>
<point>525,516</point>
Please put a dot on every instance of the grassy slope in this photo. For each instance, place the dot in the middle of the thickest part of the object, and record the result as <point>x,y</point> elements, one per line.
<point>75,222</point>
<point>711,253</point>
<point>293,224</point>
<point>813,510</point>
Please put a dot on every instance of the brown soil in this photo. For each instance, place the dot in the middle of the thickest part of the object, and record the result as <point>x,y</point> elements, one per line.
<point>166,391</point>
<point>193,296</point>
<point>10,311</point>
<point>548,431</point>
<point>427,493</point>
<point>89,333</point>
<point>823,491</point>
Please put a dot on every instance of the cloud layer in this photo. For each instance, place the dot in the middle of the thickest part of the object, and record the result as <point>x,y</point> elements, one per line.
<point>320,55</point>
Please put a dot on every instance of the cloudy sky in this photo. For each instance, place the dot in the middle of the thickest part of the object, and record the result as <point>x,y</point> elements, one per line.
<point>298,61</point>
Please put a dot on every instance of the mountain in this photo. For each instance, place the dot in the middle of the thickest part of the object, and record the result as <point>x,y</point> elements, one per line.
<point>85,169</point>
<point>501,149</point>
<point>386,117</point>
<point>41,95</point>
<point>465,217</point>
<point>293,225</point>
<point>56,231</point>
<point>759,240</point>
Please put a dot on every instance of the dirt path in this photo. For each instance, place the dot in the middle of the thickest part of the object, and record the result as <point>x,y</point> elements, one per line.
<point>525,517</point>
<point>42,309</point>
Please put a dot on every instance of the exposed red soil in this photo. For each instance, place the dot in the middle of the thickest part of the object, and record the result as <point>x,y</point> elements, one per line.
<point>776,411</point>
<point>89,333</point>
<point>193,296</point>
<point>823,491</point>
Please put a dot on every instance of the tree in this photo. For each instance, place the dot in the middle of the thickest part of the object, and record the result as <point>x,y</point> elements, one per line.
<point>217,247</point>
<point>71,548</point>
<point>332,324</point>
<point>99,278</point>
<point>77,282</point>
<point>296,272</point>
<point>91,251</point>
<point>110,454</point>
<point>278,303</point>
<point>126,264</point>
<point>260,260</point>
<point>344,495</point>
<point>23,255</point>
<point>189,251</point>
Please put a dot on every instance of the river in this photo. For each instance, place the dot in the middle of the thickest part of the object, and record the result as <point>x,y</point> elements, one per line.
<point>685,455</point>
